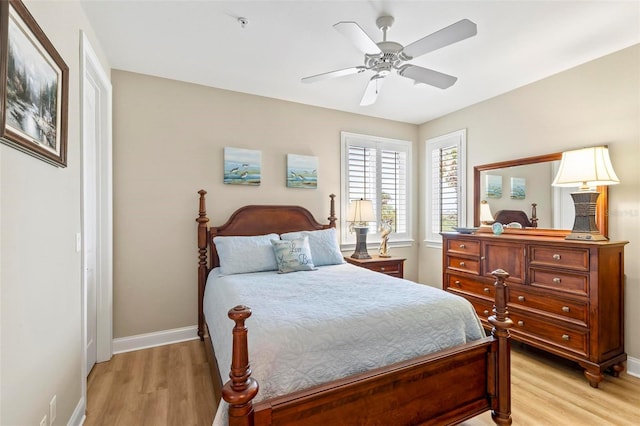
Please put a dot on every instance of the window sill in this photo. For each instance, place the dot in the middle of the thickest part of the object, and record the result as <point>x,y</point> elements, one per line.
<point>375,244</point>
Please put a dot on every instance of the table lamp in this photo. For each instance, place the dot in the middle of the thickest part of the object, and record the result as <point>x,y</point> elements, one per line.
<point>585,168</point>
<point>486,217</point>
<point>360,214</point>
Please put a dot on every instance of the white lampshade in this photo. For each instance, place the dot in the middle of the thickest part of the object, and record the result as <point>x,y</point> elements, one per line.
<point>361,211</point>
<point>585,168</point>
<point>485,213</point>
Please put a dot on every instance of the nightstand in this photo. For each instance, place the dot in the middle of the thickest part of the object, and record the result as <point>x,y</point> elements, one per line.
<point>393,266</point>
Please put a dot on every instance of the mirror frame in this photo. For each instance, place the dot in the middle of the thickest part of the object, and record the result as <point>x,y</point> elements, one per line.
<point>601,207</point>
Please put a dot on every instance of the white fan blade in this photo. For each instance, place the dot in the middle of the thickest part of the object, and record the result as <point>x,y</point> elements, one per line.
<point>453,33</point>
<point>372,90</point>
<point>427,76</point>
<point>357,37</point>
<point>333,74</point>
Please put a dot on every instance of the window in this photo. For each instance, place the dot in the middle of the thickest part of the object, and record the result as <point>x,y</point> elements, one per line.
<point>446,183</point>
<point>376,169</point>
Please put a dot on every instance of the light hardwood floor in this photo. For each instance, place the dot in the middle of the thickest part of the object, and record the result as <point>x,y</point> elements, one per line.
<point>166,385</point>
<point>170,385</point>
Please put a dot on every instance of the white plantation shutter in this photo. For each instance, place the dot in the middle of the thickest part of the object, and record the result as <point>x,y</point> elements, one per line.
<point>393,187</point>
<point>446,205</point>
<point>377,169</point>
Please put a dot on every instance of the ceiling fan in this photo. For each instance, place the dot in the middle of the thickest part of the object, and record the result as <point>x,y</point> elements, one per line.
<point>385,56</point>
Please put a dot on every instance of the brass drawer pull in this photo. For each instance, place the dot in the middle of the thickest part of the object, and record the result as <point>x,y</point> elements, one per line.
<point>565,337</point>
<point>461,263</point>
<point>486,312</point>
<point>486,289</point>
<point>556,280</point>
<point>556,256</point>
<point>566,309</point>
<point>462,246</point>
<point>382,268</point>
<point>457,282</point>
<point>521,323</point>
<point>520,298</point>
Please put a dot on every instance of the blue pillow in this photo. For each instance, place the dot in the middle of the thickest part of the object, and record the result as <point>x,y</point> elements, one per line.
<point>323,243</point>
<point>293,255</point>
<point>240,255</point>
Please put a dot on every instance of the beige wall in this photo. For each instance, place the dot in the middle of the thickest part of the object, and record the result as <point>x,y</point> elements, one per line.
<point>168,141</point>
<point>595,103</point>
<point>40,269</point>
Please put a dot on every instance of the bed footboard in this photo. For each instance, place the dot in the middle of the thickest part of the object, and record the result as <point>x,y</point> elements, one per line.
<point>447,387</point>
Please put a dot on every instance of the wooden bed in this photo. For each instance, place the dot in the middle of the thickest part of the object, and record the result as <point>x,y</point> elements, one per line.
<point>446,387</point>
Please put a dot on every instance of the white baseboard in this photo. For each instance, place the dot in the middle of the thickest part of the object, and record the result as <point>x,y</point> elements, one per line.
<point>79,414</point>
<point>150,340</point>
<point>633,366</point>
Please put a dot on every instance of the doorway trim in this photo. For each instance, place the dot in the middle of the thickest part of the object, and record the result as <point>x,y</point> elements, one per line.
<point>92,72</point>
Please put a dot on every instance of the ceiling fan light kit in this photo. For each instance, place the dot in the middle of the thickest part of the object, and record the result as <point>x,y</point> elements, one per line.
<point>384,57</point>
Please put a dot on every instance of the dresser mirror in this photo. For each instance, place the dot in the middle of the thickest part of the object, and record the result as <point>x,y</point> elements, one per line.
<point>517,184</point>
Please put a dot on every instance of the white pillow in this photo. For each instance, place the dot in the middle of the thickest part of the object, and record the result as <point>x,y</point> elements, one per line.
<point>293,255</point>
<point>323,243</point>
<point>240,255</point>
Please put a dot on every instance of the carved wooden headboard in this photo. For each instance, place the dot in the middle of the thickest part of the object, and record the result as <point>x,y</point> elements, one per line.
<point>249,220</point>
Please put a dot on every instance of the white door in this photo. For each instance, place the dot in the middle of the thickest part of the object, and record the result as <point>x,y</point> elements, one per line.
<point>97,216</point>
<point>90,237</point>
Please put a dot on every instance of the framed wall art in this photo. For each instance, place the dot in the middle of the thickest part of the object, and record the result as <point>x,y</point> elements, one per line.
<point>493,186</point>
<point>518,188</point>
<point>302,171</point>
<point>34,87</point>
<point>242,166</point>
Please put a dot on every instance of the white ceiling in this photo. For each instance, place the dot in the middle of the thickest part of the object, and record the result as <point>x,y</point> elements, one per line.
<point>518,42</point>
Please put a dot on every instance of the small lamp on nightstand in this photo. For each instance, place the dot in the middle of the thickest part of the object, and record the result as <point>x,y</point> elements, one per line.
<point>585,168</point>
<point>360,214</point>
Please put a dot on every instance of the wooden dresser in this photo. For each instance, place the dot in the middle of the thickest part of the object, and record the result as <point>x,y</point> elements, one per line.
<point>393,266</point>
<point>566,297</point>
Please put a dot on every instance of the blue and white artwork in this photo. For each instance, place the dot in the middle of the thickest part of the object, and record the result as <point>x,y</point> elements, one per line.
<point>493,187</point>
<point>242,166</point>
<point>302,171</point>
<point>518,188</point>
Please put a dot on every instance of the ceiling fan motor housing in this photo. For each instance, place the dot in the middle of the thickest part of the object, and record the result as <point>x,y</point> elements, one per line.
<point>384,62</point>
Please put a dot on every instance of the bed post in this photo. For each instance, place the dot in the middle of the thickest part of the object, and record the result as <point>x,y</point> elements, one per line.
<point>501,414</point>
<point>242,388</point>
<point>332,211</point>
<point>202,259</point>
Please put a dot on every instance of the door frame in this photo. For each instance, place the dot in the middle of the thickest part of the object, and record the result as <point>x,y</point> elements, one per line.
<point>91,70</point>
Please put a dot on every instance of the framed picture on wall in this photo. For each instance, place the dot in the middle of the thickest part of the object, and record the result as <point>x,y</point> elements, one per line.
<point>493,186</point>
<point>518,188</point>
<point>302,171</point>
<point>34,87</point>
<point>242,166</point>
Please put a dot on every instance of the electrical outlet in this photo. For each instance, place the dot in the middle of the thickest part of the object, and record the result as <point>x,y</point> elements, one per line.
<point>43,422</point>
<point>52,410</point>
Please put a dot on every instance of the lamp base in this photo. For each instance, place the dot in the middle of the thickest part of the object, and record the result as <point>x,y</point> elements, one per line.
<point>584,225</point>
<point>361,244</point>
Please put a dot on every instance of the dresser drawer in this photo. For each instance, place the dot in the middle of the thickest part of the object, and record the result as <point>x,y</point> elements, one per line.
<point>463,247</point>
<point>483,309</point>
<point>575,340</point>
<point>470,286</point>
<point>561,281</point>
<point>389,268</point>
<point>462,264</point>
<point>572,310</point>
<point>565,258</point>
<point>393,266</point>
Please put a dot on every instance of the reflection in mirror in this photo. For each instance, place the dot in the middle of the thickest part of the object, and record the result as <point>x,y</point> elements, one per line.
<point>518,184</point>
